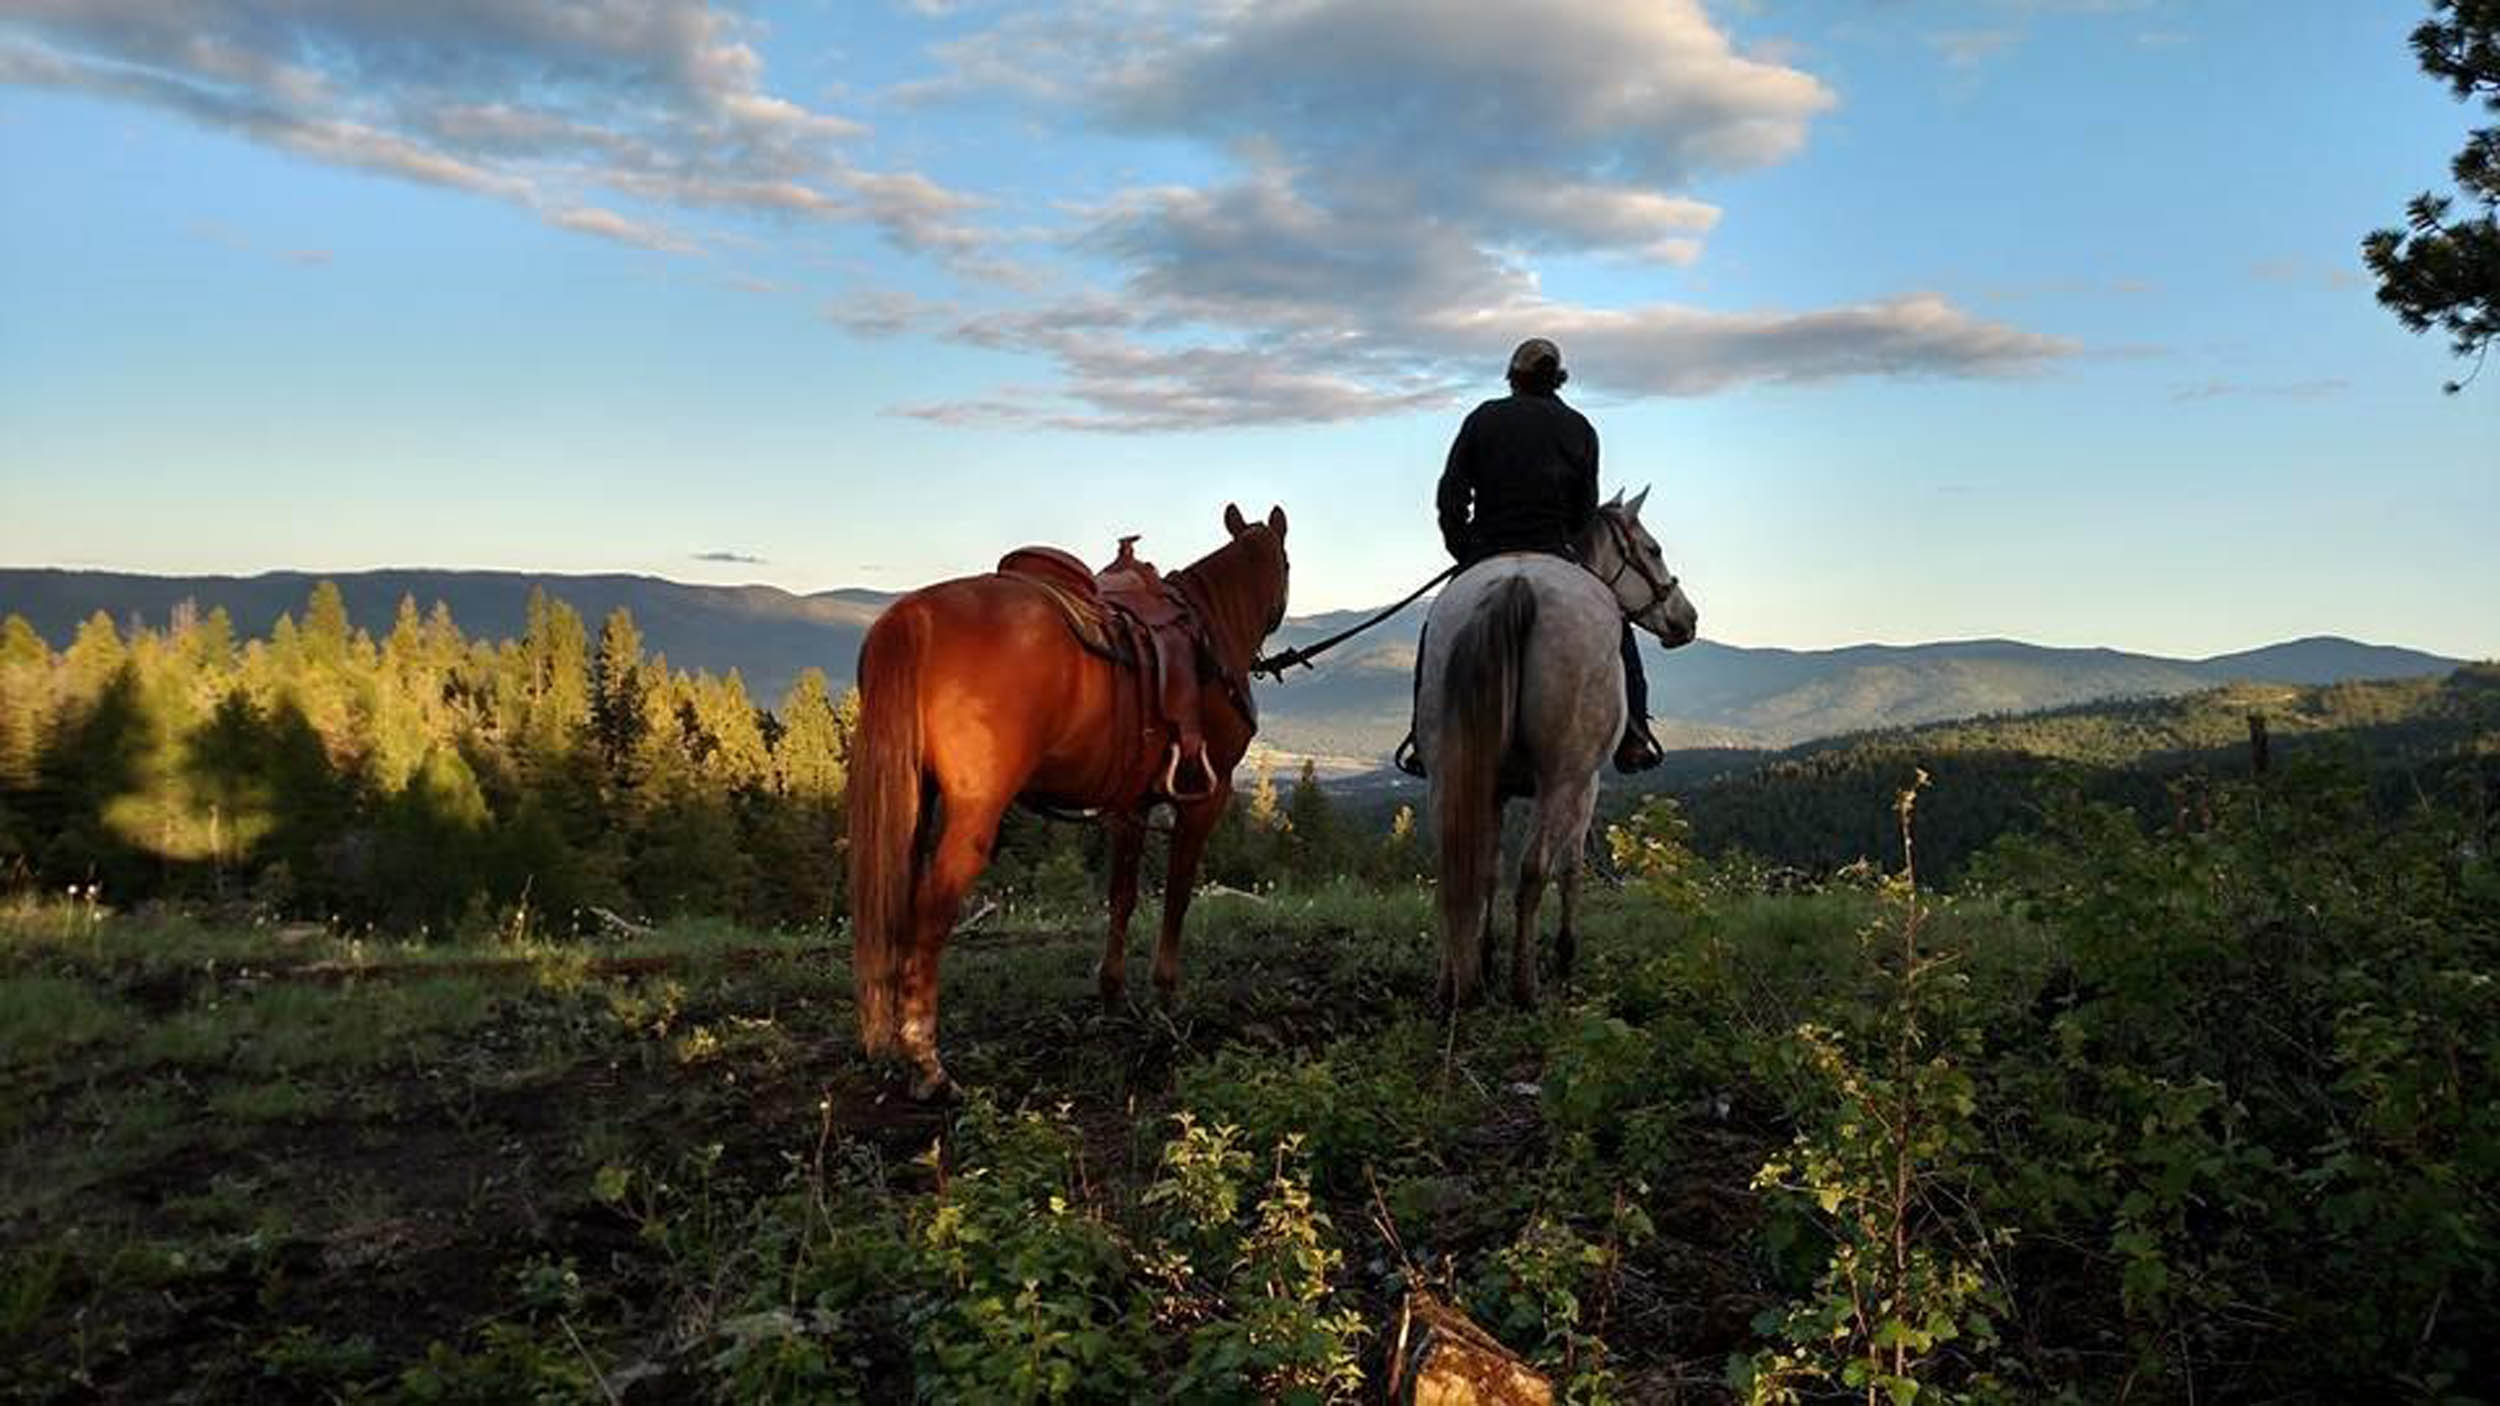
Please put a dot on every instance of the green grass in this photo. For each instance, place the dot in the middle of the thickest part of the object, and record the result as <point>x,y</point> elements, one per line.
<point>436,1177</point>
<point>43,1018</point>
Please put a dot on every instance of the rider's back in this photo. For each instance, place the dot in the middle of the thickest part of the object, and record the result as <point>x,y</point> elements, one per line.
<point>1522,476</point>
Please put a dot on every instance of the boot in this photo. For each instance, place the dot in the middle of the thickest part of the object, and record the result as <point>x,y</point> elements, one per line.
<point>1638,751</point>
<point>1407,759</point>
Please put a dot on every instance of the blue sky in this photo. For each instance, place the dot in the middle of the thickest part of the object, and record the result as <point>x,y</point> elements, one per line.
<point>2031,318</point>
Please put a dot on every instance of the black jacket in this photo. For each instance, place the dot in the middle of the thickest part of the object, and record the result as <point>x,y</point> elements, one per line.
<point>1522,477</point>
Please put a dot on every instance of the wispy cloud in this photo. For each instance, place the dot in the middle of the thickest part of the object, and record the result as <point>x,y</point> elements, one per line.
<point>735,558</point>
<point>1969,48</point>
<point>542,103</point>
<point>2279,390</point>
<point>2295,272</point>
<point>226,236</point>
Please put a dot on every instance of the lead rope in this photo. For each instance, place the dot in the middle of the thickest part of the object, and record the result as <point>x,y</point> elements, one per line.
<point>1275,665</point>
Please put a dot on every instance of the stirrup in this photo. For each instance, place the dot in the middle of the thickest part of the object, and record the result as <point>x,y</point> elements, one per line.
<point>1407,759</point>
<point>1172,776</point>
<point>1638,751</point>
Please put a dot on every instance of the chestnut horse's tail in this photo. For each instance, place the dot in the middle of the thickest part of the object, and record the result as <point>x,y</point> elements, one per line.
<point>885,786</point>
<point>1479,707</point>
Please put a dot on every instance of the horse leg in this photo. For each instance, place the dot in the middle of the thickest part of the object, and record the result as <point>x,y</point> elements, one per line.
<point>1568,858</point>
<point>1486,903</point>
<point>1567,937</point>
<point>1523,953</point>
<point>1191,824</point>
<point>1128,844</point>
<point>962,852</point>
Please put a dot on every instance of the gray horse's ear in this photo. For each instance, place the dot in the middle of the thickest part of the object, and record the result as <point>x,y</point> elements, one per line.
<point>1633,508</point>
<point>1234,522</point>
<point>1276,520</point>
<point>1616,501</point>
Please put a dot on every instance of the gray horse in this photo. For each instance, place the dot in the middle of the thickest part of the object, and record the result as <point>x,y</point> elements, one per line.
<point>1522,695</point>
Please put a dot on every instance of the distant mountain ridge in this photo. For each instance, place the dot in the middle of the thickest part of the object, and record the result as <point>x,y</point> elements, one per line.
<point>1351,708</point>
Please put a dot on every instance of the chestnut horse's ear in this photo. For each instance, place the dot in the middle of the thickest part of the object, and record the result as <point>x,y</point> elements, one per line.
<point>1234,522</point>
<point>1276,520</point>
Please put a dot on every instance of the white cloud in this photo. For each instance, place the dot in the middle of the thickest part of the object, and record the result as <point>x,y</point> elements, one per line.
<point>543,103</point>
<point>1400,165</point>
<point>590,219</point>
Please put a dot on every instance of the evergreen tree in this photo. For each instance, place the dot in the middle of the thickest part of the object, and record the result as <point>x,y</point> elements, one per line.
<point>1316,847</point>
<point>2443,270</point>
<point>736,755</point>
<point>617,719</point>
<point>92,660</point>
<point>325,626</point>
<point>808,756</point>
<point>25,700</point>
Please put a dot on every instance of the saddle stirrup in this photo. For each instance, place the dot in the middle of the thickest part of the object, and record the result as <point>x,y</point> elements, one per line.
<point>1172,775</point>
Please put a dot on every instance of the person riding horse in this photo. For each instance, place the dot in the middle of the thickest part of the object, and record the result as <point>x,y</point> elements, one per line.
<point>1522,477</point>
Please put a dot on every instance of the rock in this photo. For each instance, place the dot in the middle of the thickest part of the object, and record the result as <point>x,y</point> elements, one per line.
<point>1441,1358</point>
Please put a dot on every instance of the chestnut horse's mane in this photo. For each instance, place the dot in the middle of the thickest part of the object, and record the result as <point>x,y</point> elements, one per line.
<point>1239,590</point>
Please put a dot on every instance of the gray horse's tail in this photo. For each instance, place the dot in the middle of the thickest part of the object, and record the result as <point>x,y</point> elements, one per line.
<point>1479,708</point>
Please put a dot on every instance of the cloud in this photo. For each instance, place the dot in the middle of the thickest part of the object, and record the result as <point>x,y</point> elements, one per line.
<point>590,219</point>
<point>734,558</point>
<point>1969,48</point>
<point>226,236</point>
<point>2295,272</point>
<point>881,312</point>
<point>1399,168</point>
<point>541,103</point>
<point>2278,390</point>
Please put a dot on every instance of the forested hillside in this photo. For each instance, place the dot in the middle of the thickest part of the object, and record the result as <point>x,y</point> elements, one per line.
<point>1349,711</point>
<point>428,778</point>
<point>415,778</point>
<point>1820,806</point>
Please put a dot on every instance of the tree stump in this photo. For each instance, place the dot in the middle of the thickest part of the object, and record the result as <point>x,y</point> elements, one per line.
<point>1441,1358</point>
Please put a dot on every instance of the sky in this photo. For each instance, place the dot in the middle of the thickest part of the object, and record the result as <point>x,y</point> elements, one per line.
<point>1925,319</point>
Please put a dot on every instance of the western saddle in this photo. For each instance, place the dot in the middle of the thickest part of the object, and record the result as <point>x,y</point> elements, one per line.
<point>1138,618</point>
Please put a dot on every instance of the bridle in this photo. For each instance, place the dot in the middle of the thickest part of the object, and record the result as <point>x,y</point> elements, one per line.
<point>1627,559</point>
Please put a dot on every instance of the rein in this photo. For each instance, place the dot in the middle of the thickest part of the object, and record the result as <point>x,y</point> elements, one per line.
<point>1628,560</point>
<point>1275,665</point>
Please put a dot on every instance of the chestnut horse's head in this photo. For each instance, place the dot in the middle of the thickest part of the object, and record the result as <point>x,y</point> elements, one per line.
<point>1244,583</point>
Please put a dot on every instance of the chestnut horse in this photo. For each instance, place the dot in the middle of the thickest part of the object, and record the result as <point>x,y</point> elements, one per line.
<point>975,694</point>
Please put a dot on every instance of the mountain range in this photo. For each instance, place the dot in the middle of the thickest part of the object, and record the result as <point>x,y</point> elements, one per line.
<point>1347,712</point>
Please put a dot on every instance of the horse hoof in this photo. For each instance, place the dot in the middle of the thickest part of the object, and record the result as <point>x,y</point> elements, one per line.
<point>933,1087</point>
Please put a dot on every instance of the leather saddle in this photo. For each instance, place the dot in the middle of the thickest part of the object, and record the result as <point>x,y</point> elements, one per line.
<point>1132,615</point>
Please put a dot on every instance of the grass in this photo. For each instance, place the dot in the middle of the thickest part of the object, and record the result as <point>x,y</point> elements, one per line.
<point>536,1171</point>
<point>283,1129</point>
